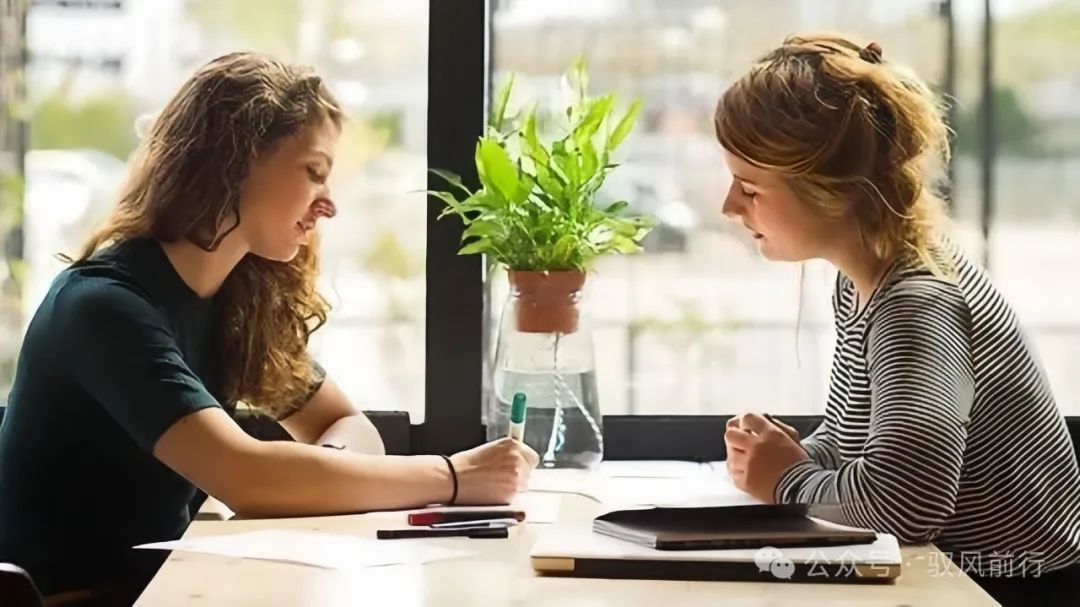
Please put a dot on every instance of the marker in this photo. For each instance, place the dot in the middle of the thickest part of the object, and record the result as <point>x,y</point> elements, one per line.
<point>517,417</point>
<point>437,517</point>
<point>486,524</point>
<point>407,534</point>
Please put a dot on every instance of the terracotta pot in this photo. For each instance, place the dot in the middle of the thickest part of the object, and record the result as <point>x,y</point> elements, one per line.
<point>547,302</point>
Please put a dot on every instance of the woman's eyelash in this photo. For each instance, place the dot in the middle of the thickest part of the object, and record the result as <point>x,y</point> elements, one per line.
<point>315,176</point>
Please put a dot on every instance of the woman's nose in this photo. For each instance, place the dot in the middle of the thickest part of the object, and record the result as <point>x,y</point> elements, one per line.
<point>322,207</point>
<point>732,206</point>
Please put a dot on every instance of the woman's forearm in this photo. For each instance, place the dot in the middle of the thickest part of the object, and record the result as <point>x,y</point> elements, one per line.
<point>292,479</point>
<point>355,433</point>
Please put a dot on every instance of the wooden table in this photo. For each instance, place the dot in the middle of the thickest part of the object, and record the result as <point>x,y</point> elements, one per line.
<point>500,574</point>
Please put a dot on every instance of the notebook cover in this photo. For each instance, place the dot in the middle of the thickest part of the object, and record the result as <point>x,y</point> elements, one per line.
<point>726,527</point>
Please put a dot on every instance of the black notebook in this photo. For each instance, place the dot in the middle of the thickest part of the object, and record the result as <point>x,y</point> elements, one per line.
<point>726,527</point>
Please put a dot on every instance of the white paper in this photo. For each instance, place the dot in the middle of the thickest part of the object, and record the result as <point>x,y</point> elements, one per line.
<point>713,488</point>
<point>326,550</point>
<point>710,487</point>
<point>539,508</point>
<point>579,482</point>
<point>653,469</point>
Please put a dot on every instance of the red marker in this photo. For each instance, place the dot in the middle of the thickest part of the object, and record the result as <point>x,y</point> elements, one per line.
<point>438,517</point>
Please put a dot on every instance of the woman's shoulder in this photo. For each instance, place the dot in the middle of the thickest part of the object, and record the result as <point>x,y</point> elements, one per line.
<point>916,290</point>
<point>96,291</point>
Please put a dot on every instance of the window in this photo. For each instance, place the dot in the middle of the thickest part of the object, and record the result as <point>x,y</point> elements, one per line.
<point>373,55</point>
<point>1034,212</point>
<point>698,323</point>
<point>694,329</point>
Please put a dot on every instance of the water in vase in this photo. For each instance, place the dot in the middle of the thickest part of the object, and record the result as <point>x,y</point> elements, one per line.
<point>562,422</point>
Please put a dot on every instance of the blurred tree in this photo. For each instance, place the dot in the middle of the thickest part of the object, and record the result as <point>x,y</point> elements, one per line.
<point>1016,132</point>
<point>389,258</point>
<point>389,125</point>
<point>103,122</point>
<point>269,26</point>
<point>1039,44</point>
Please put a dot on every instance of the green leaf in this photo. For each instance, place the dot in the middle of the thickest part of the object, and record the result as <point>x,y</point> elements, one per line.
<point>594,117</point>
<point>534,148</point>
<point>481,228</point>
<point>624,245</point>
<point>600,235</point>
<point>624,126</point>
<point>615,207</point>
<point>477,246</point>
<point>643,221</point>
<point>453,179</point>
<point>548,182</point>
<point>581,75</point>
<point>528,184</point>
<point>564,247</point>
<point>566,162</point>
<point>499,172</point>
<point>624,228</point>
<point>541,204</point>
<point>501,101</point>
<point>589,161</point>
<point>452,203</point>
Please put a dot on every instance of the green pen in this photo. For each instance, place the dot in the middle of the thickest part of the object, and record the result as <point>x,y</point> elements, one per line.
<point>517,417</point>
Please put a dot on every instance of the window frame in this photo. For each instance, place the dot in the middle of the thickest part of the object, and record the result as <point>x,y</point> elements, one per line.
<point>454,298</point>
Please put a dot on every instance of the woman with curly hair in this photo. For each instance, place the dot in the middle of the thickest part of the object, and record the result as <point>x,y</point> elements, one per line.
<point>199,292</point>
<point>940,424</point>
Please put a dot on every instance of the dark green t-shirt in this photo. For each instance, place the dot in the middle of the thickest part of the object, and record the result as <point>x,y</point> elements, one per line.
<point>118,351</point>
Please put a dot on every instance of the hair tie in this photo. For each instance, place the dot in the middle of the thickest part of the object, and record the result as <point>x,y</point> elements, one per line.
<point>453,475</point>
<point>872,53</point>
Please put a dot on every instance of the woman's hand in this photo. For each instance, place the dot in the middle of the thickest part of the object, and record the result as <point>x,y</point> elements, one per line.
<point>758,452</point>
<point>737,422</point>
<point>493,473</point>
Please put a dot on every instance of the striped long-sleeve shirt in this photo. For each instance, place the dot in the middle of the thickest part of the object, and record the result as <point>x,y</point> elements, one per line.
<point>940,425</point>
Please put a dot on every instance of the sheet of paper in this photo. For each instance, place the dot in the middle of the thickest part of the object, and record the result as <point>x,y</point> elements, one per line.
<point>707,488</point>
<point>579,482</point>
<point>653,469</point>
<point>713,488</point>
<point>540,508</point>
<point>316,549</point>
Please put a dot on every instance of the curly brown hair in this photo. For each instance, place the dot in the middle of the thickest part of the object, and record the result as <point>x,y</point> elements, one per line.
<point>854,136</point>
<point>185,181</point>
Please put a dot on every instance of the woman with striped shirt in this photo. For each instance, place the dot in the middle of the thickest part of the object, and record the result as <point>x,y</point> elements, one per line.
<point>940,425</point>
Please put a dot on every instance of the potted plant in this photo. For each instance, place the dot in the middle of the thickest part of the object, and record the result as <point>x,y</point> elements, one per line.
<point>536,213</point>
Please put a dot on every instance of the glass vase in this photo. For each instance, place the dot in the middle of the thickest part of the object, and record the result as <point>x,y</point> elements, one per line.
<point>545,350</point>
